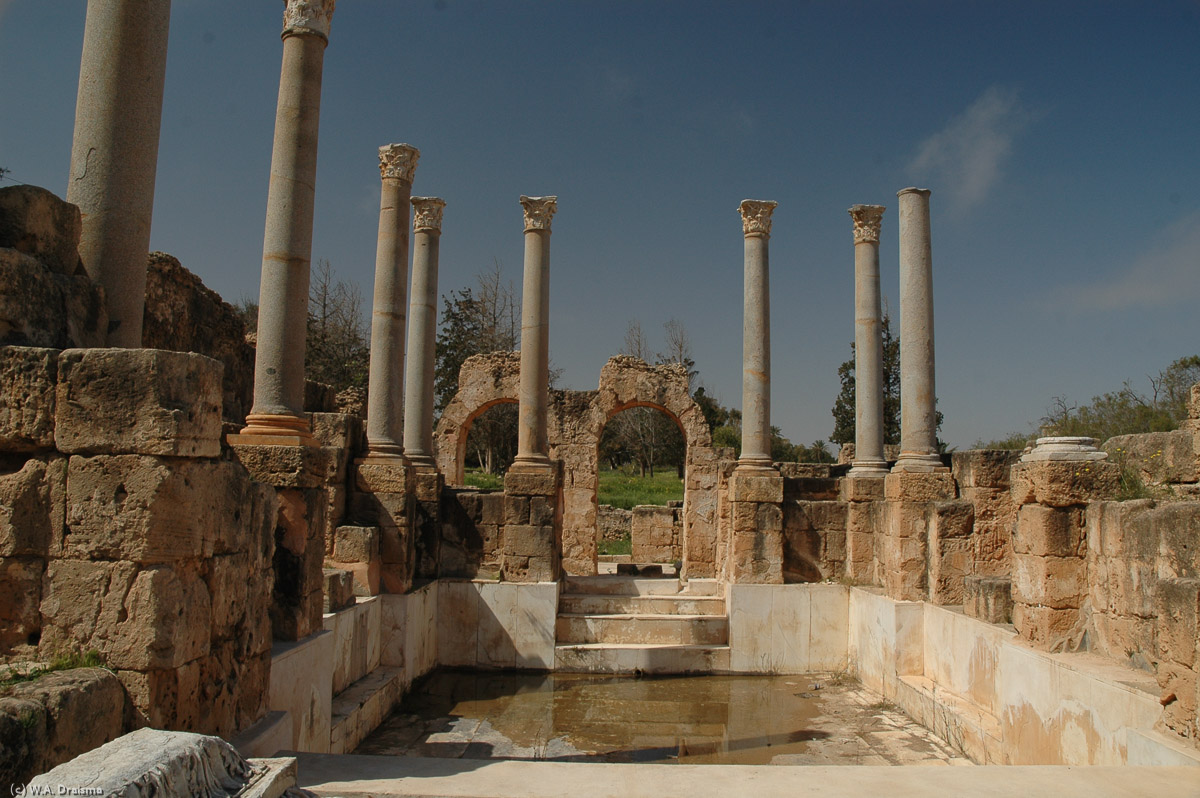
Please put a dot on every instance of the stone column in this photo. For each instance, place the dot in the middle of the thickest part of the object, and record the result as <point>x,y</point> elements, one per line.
<point>385,386</point>
<point>869,460</point>
<point>418,400</point>
<point>918,399</point>
<point>114,156</point>
<point>756,336</point>
<point>532,447</point>
<point>277,416</point>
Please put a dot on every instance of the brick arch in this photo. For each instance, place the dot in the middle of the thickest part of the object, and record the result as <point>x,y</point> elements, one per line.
<point>484,381</point>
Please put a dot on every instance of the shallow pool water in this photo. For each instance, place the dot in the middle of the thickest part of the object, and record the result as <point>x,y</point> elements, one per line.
<point>816,719</point>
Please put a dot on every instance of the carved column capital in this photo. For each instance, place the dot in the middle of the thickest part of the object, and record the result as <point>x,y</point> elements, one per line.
<point>398,161</point>
<point>538,212</point>
<point>756,217</point>
<point>867,221</point>
<point>427,213</point>
<point>308,17</point>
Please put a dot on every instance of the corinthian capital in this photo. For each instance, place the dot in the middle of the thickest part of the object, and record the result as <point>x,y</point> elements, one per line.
<point>312,17</point>
<point>398,161</point>
<point>538,212</point>
<point>867,221</point>
<point>427,213</point>
<point>756,217</point>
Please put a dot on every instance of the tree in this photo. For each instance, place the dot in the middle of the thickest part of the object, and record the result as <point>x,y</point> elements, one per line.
<point>843,406</point>
<point>337,349</point>
<point>485,318</point>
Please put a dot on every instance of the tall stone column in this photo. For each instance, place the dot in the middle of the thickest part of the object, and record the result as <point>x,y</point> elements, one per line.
<point>385,386</point>
<point>114,156</point>
<point>756,336</point>
<point>532,446</point>
<point>277,416</point>
<point>422,331</point>
<point>869,459</point>
<point>918,399</point>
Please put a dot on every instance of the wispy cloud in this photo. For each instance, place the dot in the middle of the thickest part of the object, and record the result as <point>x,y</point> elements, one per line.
<point>964,160</point>
<point>1168,273</point>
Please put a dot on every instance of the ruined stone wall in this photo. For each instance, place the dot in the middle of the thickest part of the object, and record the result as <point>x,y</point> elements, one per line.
<point>656,532</point>
<point>613,524</point>
<point>124,530</point>
<point>814,524</point>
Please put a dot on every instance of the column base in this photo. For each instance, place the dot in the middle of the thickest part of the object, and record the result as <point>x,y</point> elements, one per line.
<point>421,461</point>
<point>383,453</point>
<point>869,468</point>
<point>756,464</point>
<point>538,462</point>
<point>917,462</point>
<point>274,429</point>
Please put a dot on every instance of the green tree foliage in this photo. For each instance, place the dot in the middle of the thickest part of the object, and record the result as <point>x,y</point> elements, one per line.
<point>843,406</point>
<point>475,320</point>
<point>1128,411</point>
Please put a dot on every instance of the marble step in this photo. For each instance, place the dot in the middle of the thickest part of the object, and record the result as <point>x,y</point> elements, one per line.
<point>679,604</point>
<point>360,708</point>
<point>615,585</point>
<point>633,658</point>
<point>684,630</point>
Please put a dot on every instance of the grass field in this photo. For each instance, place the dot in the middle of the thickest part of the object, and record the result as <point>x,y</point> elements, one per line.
<point>622,488</point>
<point>625,489</point>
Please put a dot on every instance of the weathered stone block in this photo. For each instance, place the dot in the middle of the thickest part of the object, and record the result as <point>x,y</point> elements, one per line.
<point>1178,620</point>
<point>338,590</point>
<point>1158,457</point>
<point>1057,582</point>
<point>861,489</point>
<point>1178,527</point>
<point>141,620</point>
<point>41,308</point>
<point>911,486</point>
<point>1049,532</point>
<point>1131,587</point>
<point>291,466</point>
<point>1179,685</point>
<point>32,507</point>
<point>906,519</point>
<point>1126,639</point>
<point>755,486</point>
<point>988,598</point>
<point>427,484</point>
<point>21,589</point>
<point>983,468</point>
<point>811,489</point>
<point>378,477</point>
<point>1062,483</point>
<point>36,222</point>
<point>153,509</point>
<point>952,519</point>
<point>528,541</point>
<point>863,518</point>
<point>138,401</point>
<point>28,382</point>
<point>337,430</point>
<point>491,508</point>
<point>1046,627</point>
<point>531,481</point>
<point>827,514</point>
<point>516,509</point>
<point>356,544</point>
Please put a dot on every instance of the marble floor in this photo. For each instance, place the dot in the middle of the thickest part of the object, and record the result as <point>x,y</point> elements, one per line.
<point>817,719</point>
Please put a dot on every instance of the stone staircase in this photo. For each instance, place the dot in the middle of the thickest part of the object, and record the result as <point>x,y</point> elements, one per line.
<point>628,624</point>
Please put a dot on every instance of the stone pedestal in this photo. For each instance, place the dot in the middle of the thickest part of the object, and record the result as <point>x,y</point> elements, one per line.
<point>903,549</point>
<point>114,156</point>
<point>918,397</point>
<point>756,334</point>
<point>532,445</point>
<point>277,416</point>
<point>531,541</point>
<point>422,331</point>
<point>1049,543</point>
<point>385,388</point>
<point>869,459</point>
<point>384,496</point>
<point>756,535</point>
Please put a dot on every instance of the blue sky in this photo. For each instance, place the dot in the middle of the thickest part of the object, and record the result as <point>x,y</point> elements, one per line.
<point>1059,140</point>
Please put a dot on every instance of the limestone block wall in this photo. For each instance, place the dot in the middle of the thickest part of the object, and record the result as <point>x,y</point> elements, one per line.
<point>1159,458</point>
<point>655,532</point>
<point>613,524</point>
<point>471,525</point>
<point>814,524</point>
<point>124,530</point>
<point>982,478</point>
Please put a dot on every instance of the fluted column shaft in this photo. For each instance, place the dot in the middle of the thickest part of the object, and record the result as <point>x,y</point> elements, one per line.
<point>918,398</point>
<point>385,384</point>
<point>422,331</point>
<point>756,335</point>
<point>114,155</point>
<point>532,445</point>
<point>278,410</point>
<point>869,459</point>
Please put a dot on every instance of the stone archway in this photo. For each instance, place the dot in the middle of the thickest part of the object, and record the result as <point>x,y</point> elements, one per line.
<point>484,381</point>
<point>627,382</point>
